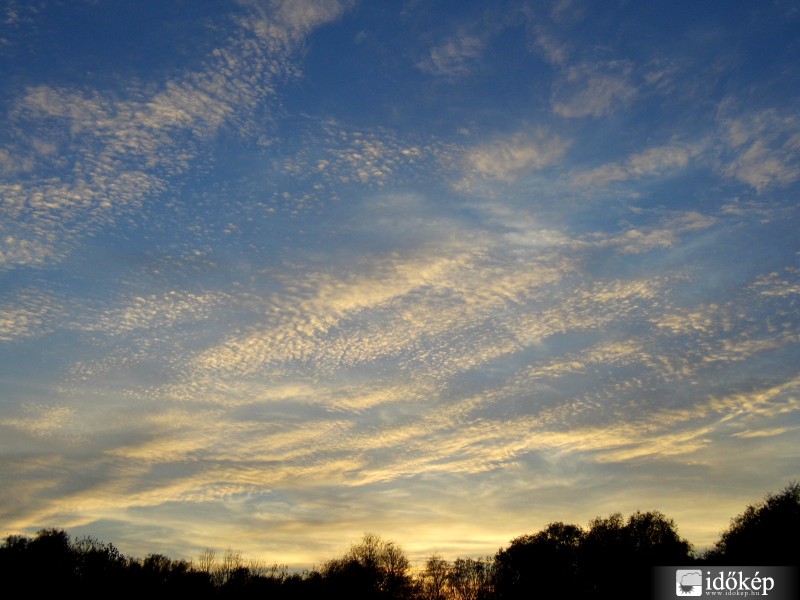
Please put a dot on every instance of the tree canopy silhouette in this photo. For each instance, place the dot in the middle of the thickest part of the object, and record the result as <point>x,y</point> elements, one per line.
<point>613,546</point>
<point>766,533</point>
<point>611,557</point>
<point>433,580</point>
<point>372,568</point>
<point>540,565</point>
<point>565,560</point>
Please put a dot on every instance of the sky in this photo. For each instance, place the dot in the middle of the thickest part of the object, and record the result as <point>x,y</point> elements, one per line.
<point>274,274</point>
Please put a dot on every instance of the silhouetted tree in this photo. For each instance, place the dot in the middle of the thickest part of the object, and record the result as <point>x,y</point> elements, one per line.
<point>232,576</point>
<point>766,533</point>
<point>612,558</point>
<point>14,560</point>
<point>432,581</point>
<point>372,568</point>
<point>157,574</point>
<point>100,566</point>
<point>617,556</point>
<point>310,585</point>
<point>344,577</point>
<point>51,553</point>
<point>231,562</point>
<point>471,579</point>
<point>207,561</point>
<point>543,565</point>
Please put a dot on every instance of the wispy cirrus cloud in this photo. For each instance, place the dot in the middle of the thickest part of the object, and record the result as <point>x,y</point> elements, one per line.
<point>368,441</point>
<point>659,161</point>
<point>762,149</point>
<point>277,455</point>
<point>594,89</point>
<point>455,56</point>
<point>282,22</point>
<point>506,158</point>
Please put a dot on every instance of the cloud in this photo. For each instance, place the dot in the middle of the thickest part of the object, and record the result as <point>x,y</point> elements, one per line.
<point>409,424</point>
<point>506,159</point>
<point>286,22</point>
<point>324,307</point>
<point>658,161</point>
<point>397,327</point>
<point>665,235</point>
<point>420,320</point>
<point>44,421</point>
<point>547,29</point>
<point>594,90</point>
<point>555,50</point>
<point>597,308</point>
<point>337,160</point>
<point>13,161</point>
<point>117,150</point>
<point>162,312</point>
<point>397,310</point>
<point>776,284</point>
<point>761,149</point>
<point>765,432</point>
<point>28,313</point>
<point>454,56</point>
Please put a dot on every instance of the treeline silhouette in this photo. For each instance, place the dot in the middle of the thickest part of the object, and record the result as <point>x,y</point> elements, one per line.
<point>612,557</point>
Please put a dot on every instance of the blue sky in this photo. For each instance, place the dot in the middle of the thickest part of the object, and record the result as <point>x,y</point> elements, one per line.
<point>274,274</point>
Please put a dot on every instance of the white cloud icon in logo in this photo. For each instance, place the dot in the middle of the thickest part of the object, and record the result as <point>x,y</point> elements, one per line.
<point>689,583</point>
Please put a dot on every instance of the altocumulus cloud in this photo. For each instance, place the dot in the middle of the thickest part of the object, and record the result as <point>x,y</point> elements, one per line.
<point>310,283</point>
